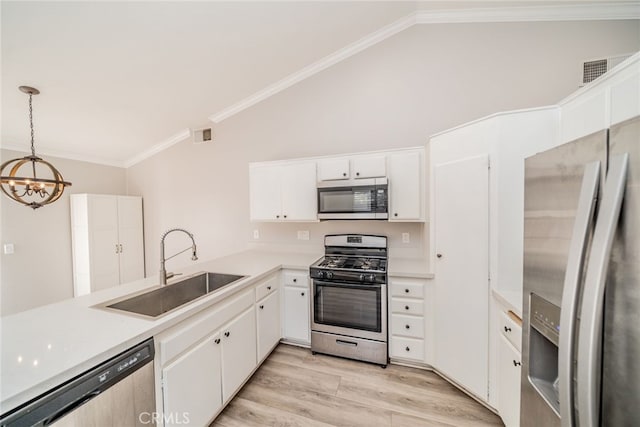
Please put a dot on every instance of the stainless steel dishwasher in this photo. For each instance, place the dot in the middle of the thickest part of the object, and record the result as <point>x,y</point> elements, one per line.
<point>117,393</point>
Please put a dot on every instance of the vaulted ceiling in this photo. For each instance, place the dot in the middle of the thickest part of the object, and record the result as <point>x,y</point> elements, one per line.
<point>120,79</point>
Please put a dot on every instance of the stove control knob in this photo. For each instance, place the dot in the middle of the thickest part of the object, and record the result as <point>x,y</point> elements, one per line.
<point>362,278</point>
<point>372,278</point>
<point>329,275</point>
<point>320,274</point>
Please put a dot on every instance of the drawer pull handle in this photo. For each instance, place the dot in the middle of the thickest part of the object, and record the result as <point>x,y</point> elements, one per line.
<point>407,326</point>
<point>407,348</point>
<point>406,291</point>
<point>295,280</point>
<point>217,341</point>
<point>301,293</point>
<point>516,363</point>
<point>349,343</point>
<point>406,307</point>
<point>226,334</point>
<point>268,288</point>
<point>261,307</point>
<point>507,329</point>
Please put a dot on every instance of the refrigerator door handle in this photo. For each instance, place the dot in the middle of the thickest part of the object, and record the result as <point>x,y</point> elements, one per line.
<point>575,264</point>
<point>590,329</point>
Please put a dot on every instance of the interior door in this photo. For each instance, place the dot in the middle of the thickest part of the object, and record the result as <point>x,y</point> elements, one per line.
<point>462,271</point>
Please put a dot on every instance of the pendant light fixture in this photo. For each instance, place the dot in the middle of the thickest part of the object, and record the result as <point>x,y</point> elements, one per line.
<point>31,180</point>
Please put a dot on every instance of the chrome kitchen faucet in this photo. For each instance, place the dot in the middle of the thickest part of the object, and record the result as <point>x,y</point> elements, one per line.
<point>163,273</point>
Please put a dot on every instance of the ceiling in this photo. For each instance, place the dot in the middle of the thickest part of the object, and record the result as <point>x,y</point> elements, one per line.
<point>121,79</point>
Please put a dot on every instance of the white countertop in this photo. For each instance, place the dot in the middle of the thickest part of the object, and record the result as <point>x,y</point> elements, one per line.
<point>43,347</point>
<point>409,267</point>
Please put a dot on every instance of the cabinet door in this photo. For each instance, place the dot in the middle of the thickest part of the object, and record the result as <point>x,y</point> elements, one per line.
<point>265,203</point>
<point>191,385</point>
<point>268,319</point>
<point>330,169</point>
<point>296,314</point>
<point>238,352</point>
<point>405,186</point>
<point>299,194</point>
<point>103,232</point>
<point>462,272</point>
<point>130,239</point>
<point>369,166</point>
<point>509,383</point>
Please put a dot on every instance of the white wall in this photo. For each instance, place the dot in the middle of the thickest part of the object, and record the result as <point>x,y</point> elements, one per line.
<point>41,269</point>
<point>395,94</point>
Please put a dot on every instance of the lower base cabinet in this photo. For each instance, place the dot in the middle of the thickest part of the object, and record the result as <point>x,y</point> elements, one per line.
<point>238,342</point>
<point>296,310</point>
<point>268,321</point>
<point>509,371</point>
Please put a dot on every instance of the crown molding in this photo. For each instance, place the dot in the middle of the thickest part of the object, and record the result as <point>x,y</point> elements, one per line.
<point>172,140</point>
<point>310,70</point>
<point>577,12</point>
<point>69,155</point>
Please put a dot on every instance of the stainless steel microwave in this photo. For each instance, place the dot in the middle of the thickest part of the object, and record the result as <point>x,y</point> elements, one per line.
<point>353,199</point>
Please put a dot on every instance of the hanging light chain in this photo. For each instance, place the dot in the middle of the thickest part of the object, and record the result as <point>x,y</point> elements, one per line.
<point>33,150</point>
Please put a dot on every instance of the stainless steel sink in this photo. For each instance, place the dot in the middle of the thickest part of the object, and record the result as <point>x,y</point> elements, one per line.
<point>170,297</point>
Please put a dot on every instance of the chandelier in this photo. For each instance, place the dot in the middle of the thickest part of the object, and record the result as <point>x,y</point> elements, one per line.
<point>39,183</point>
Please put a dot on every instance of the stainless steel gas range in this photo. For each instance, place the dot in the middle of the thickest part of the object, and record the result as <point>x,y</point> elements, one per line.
<point>349,299</point>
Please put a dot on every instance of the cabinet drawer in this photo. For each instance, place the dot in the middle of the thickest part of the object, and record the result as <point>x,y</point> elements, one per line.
<point>407,306</point>
<point>511,329</point>
<point>407,348</point>
<point>408,326</point>
<point>402,288</point>
<point>296,279</point>
<point>182,336</point>
<point>266,287</point>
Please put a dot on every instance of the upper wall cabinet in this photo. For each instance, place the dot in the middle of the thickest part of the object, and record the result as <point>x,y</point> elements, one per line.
<point>406,186</point>
<point>107,241</point>
<point>283,191</point>
<point>352,167</point>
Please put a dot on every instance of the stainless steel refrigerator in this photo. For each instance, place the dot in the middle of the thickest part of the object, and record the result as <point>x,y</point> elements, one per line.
<point>581,296</point>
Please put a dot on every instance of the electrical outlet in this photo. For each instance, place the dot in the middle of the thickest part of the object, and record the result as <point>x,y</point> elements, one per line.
<point>8,248</point>
<point>303,235</point>
<point>256,234</point>
<point>406,238</point>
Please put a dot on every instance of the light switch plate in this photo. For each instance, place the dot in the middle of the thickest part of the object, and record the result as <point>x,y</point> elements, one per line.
<point>303,235</point>
<point>256,234</point>
<point>406,238</point>
<point>8,248</point>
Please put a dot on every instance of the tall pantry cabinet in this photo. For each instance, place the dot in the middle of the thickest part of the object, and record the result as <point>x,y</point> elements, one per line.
<point>107,241</point>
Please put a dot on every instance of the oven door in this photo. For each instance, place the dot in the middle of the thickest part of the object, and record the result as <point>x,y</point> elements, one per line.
<point>350,309</point>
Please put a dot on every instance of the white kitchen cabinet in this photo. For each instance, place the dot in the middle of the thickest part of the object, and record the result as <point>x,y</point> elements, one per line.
<point>238,352</point>
<point>268,321</point>
<point>107,241</point>
<point>191,385</point>
<point>406,186</point>
<point>509,371</point>
<point>352,167</point>
<point>283,191</point>
<point>296,305</point>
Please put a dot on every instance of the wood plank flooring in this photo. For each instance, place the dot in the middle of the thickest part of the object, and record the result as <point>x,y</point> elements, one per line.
<point>295,388</point>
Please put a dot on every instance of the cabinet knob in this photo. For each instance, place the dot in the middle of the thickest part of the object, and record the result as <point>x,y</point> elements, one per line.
<point>295,280</point>
<point>406,307</point>
<point>261,307</point>
<point>344,174</point>
<point>302,293</point>
<point>226,334</point>
<point>507,329</point>
<point>357,173</point>
<point>277,216</point>
<point>515,363</point>
<point>395,214</point>
<point>407,327</point>
<point>217,341</point>
<point>268,288</point>
<point>285,216</point>
<point>407,348</point>
<point>406,291</point>
<point>439,255</point>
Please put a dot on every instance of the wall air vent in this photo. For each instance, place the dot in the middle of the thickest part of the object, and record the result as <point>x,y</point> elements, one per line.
<point>591,70</point>
<point>202,136</point>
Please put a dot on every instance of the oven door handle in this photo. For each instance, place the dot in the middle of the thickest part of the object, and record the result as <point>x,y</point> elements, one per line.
<point>349,284</point>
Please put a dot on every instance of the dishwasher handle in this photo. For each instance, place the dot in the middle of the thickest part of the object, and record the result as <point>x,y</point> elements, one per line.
<point>64,411</point>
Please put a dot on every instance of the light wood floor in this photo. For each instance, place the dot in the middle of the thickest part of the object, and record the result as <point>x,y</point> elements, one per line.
<point>295,388</point>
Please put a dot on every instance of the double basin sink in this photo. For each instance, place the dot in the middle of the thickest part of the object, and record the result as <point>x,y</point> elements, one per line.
<point>170,297</point>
